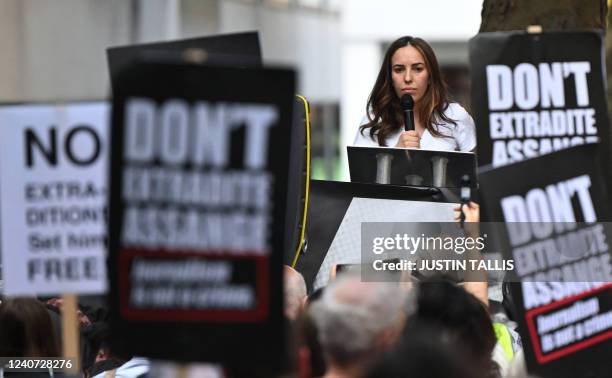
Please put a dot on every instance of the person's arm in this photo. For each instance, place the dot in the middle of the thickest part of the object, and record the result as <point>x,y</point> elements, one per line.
<point>478,289</point>
<point>476,280</point>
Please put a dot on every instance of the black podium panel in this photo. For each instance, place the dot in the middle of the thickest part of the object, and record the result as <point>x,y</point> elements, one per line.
<point>411,167</point>
<point>328,204</point>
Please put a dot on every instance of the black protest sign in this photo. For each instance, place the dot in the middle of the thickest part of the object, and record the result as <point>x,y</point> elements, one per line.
<point>533,94</point>
<point>236,49</point>
<point>199,171</point>
<point>562,258</point>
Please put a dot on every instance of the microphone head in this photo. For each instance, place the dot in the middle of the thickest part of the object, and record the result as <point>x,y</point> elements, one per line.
<point>407,102</point>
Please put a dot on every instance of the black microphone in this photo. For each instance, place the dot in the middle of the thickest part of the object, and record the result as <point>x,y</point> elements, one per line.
<point>407,106</point>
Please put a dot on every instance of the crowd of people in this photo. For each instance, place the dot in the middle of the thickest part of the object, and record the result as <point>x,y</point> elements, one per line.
<point>353,328</point>
<point>349,328</point>
<point>31,328</point>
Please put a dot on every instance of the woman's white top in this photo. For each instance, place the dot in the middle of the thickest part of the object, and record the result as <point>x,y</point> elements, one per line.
<point>462,135</point>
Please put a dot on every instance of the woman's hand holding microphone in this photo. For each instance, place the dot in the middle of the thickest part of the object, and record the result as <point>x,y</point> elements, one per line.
<point>409,139</point>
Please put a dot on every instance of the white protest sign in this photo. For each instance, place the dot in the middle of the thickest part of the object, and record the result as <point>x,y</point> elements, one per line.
<point>53,195</point>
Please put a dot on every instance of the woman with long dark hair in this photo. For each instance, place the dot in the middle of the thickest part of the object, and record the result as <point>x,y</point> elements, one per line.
<point>26,329</point>
<point>410,67</point>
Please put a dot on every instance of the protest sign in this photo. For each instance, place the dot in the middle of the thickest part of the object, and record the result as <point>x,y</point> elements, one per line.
<point>198,200</point>
<point>236,49</point>
<point>53,198</point>
<point>533,94</point>
<point>563,298</point>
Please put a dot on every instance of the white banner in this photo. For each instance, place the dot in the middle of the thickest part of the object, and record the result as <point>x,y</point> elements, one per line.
<point>53,198</point>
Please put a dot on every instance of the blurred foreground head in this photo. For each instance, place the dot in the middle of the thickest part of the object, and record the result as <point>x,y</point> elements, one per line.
<point>295,292</point>
<point>424,352</point>
<point>357,321</point>
<point>26,329</point>
<point>462,318</point>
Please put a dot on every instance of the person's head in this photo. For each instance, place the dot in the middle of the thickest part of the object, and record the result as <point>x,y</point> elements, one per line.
<point>410,71</point>
<point>26,329</point>
<point>295,292</point>
<point>357,320</point>
<point>462,316</point>
<point>290,365</point>
<point>423,352</point>
<point>409,67</point>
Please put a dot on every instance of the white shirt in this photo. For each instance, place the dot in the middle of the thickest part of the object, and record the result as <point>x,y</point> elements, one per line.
<point>135,367</point>
<point>462,136</point>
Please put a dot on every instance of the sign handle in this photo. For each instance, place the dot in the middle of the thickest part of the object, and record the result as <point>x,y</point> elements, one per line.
<point>182,371</point>
<point>70,332</point>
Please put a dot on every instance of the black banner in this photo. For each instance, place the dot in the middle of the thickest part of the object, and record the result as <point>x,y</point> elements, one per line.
<point>563,301</point>
<point>198,198</point>
<point>236,49</point>
<point>533,94</point>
